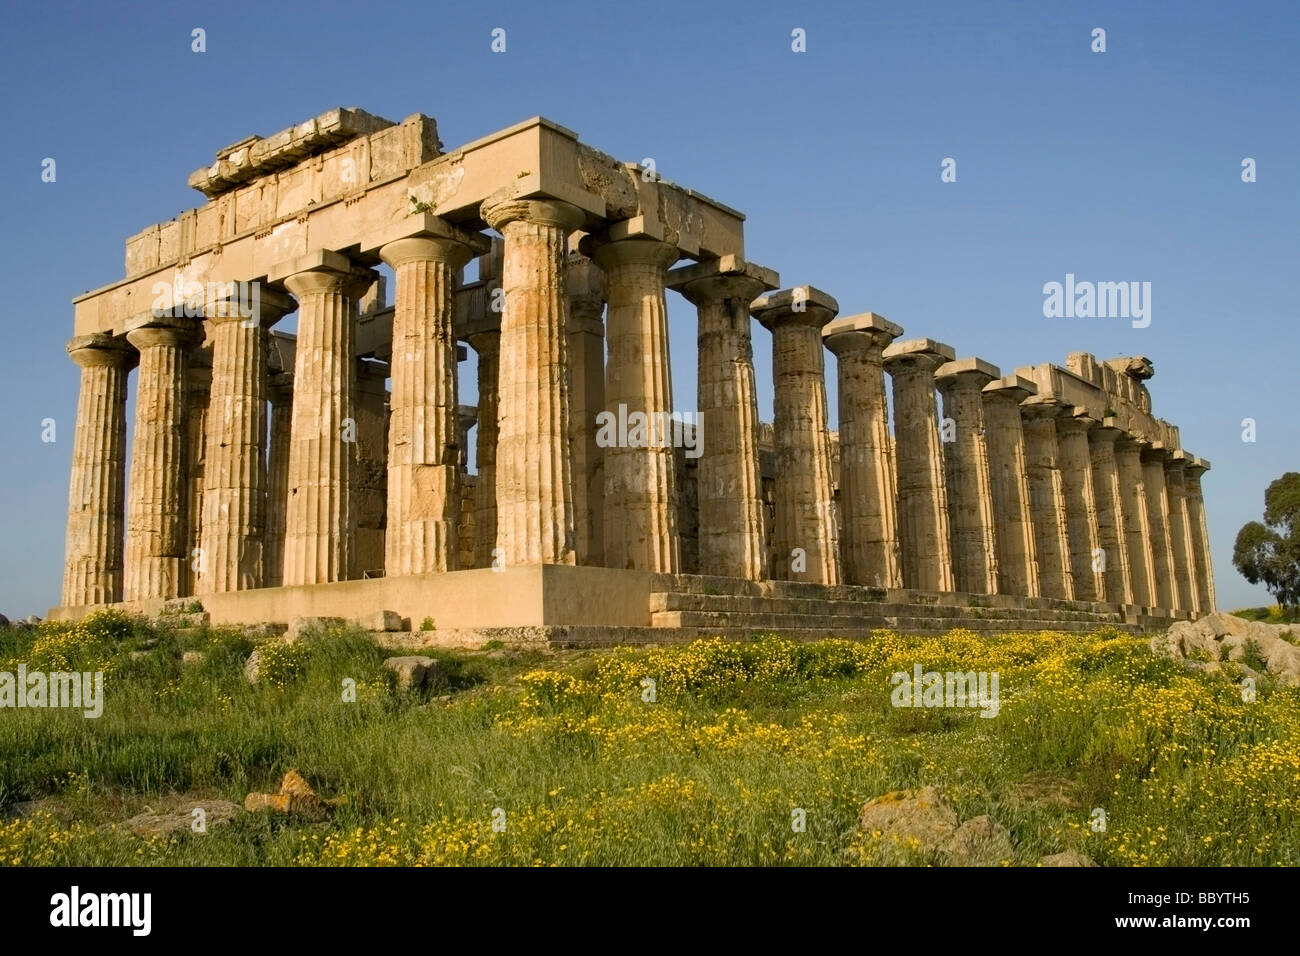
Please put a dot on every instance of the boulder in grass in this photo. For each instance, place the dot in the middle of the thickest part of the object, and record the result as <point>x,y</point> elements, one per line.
<point>1218,637</point>
<point>415,672</point>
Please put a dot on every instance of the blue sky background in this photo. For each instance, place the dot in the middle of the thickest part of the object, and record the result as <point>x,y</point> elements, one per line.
<point>1116,166</point>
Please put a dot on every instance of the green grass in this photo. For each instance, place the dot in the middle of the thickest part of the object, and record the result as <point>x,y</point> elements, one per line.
<point>586,769</point>
<point>1272,615</point>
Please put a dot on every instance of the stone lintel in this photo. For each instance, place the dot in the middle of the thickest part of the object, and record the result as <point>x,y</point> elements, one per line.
<point>1013,387</point>
<point>937,352</point>
<point>425,225</point>
<point>808,302</point>
<point>728,265</point>
<point>968,366</point>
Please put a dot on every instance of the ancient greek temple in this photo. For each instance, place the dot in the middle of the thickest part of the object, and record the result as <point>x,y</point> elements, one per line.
<point>327,473</point>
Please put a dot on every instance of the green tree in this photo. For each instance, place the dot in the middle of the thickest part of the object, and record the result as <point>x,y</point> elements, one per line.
<point>1270,552</point>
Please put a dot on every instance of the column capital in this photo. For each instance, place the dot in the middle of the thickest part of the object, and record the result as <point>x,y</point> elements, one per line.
<point>1155,452</point>
<point>279,387</point>
<point>800,305</point>
<point>1044,408</point>
<point>322,271</point>
<point>584,286</point>
<point>98,349</point>
<point>1196,467</point>
<point>612,253</point>
<point>867,330</point>
<point>147,330</point>
<point>1013,388</point>
<point>502,208</point>
<point>1132,443</point>
<point>1076,421</point>
<point>264,307</point>
<point>924,353</point>
<point>1107,430</point>
<point>425,236</point>
<point>727,277</point>
<point>974,372</point>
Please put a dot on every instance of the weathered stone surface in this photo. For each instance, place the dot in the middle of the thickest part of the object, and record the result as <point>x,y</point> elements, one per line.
<point>180,817</point>
<point>980,841</point>
<point>381,621</point>
<point>413,672</point>
<point>923,821</point>
<point>295,796</point>
<point>1066,858</point>
<point>1218,636</point>
<point>966,472</point>
<point>305,626</point>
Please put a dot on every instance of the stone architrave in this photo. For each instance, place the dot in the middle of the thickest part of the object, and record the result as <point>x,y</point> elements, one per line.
<point>728,486</point>
<point>1137,523</point>
<point>868,509</point>
<point>1072,430</point>
<point>1180,532</point>
<point>96,495</point>
<point>640,481</point>
<point>1202,564</point>
<point>804,535</point>
<point>233,537</point>
<point>926,545</point>
<point>157,545</point>
<point>585,289</point>
<point>1009,478</point>
<point>426,255</point>
<point>1046,496</point>
<point>1110,511</point>
<point>966,474</point>
<point>319,521</point>
<point>1154,457</point>
<point>533,468</point>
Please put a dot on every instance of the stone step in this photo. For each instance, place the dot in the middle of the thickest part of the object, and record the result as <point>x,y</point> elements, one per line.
<point>917,620</point>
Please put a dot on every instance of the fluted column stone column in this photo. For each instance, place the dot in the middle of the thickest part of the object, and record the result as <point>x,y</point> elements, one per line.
<point>1110,511</point>
<point>585,289</point>
<point>157,545</point>
<point>1046,496</point>
<point>922,494</point>
<point>196,438</point>
<point>1154,457</point>
<point>966,474</point>
<point>1137,522</point>
<point>1009,479</point>
<point>534,479</point>
<point>485,339</point>
<point>1080,497</point>
<point>423,479</point>
<point>1180,532</point>
<point>96,493</point>
<point>640,476</point>
<point>319,520</point>
<point>728,486</point>
<point>1202,564</point>
<point>233,533</point>
<point>805,533</point>
<point>868,509</point>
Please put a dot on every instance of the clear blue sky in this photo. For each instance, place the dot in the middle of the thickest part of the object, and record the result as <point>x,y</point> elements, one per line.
<point>1116,166</point>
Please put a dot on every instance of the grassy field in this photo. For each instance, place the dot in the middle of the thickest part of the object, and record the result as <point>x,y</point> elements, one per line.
<point>586,770</point>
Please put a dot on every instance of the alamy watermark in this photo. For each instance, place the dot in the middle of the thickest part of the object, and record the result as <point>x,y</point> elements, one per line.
<point>624,429</point>
<point>72,689</point>
<point>1098,300</point>
<point>208,299</point>
<point>950,689</point>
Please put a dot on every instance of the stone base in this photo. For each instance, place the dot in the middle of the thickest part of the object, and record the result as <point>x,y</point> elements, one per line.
<point>566,606</point>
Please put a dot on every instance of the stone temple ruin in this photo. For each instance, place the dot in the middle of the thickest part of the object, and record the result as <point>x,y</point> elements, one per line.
<point>277,476</point>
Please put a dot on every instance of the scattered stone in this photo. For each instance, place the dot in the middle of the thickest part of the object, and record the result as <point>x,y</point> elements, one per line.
<point>295,796</point>
<point>306,626</point>
<point>1066,858</point>
<point>1218,636</point>
<point>31,620</point>
<point>980,841</point>
<point>181,818</point>
<point>139,655</point>
<point>924,821</point>
<point>263,631</point>
<point>381,621</point>
<point>413,673</point>
<point>193,657</point>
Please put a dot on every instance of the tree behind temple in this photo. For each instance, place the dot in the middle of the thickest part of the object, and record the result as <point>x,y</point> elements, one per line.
<point>1270,552</point>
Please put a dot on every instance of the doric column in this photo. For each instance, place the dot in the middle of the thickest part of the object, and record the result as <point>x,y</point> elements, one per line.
<point>534,480</point>
<point>196,437</point>
<point>1137,523</point>
<point>640,493</point>
<point>966,474</point>
<point>1009,478</point>
<point>423,440</point>
<point>232,538</point>
<point>1075,458</point>
<point>804,535</point>
<point>585,289</point>
<point>868,510</point>
<point>156,540</point>
<point>1110,511</point>
<point>484,338</point>
<point>319,523</point>
<point>922,496</point>
<point>1046,496</point>
<point>93,565</point>
<point>1180,532</point>
<point>280,392</point>
<point>1202,564</point>
<point>728,486</point>
<point>1153,483</point>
